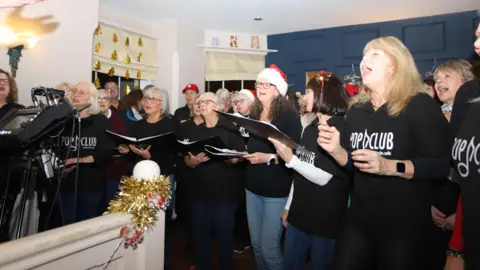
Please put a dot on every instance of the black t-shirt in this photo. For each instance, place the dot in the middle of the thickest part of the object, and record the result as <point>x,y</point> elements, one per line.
<point>182,114</point>
<point>420,133</point>
<point>272,180</point>
<point>319,210</point>
<point>186,131</point>
<point>162,153</point>
<point>7,107</point>
<point>93,141</point>
<point>466,158</point>
<point>216,181</point>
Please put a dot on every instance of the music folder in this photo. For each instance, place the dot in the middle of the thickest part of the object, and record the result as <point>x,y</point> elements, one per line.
<point>143,143</point>
<point>197,147</point>
<point>261,129</point>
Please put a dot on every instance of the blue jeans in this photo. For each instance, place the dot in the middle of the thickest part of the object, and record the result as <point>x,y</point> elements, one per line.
<point>265,229</point>
<point>296,247</point>
<point>219,218</point>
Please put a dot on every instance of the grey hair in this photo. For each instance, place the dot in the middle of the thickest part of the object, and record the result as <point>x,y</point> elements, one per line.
<point>107,93</point>
<point>210,95</point>
<point>94,106</point>
<point>164,94</point>
<point>223,93</point>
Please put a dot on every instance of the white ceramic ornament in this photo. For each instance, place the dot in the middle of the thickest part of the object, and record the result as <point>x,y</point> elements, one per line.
<point>146,170</point>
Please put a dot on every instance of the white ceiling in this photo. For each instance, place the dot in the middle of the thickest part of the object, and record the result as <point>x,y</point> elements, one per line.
<point>282,16</point>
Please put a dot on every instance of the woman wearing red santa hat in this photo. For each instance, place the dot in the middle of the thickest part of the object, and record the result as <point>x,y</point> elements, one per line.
<point>268,180</point>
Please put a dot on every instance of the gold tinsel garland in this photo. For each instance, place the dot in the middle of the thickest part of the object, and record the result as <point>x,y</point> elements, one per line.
<point>142,199</point>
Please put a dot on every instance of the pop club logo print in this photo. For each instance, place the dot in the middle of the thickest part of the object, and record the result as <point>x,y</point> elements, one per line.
<point>86,143</point>
<point>244,133</point>
<point>465,152</point>
<point>382,142</point>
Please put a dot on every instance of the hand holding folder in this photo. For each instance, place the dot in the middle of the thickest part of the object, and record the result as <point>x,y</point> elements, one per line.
<point>142,143</point>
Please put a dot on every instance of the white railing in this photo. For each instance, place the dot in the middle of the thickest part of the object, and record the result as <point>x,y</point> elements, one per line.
<point>85,245</point>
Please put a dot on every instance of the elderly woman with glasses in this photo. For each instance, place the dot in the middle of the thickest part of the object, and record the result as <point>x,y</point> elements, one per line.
<point>218,186</point>
<point>268,180</point>
<point>86,153</point>
<point>120,165</point>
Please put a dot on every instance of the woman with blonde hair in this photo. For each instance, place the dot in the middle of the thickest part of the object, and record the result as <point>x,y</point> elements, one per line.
<point>86,153</point>
<point>397,140</point>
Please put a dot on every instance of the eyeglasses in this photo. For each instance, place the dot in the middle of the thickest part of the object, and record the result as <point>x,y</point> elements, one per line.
<point>265,85</point>
<point>4,81</point>
<point>78,93</point>
<point>239,101</point>
<point>152,99</point>
<point>103,99</point>
<point>206,102</point>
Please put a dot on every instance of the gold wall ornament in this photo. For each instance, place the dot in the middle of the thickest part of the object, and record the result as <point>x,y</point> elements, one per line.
<point>115,38</point>
<point>127,41</point>
<point>127,59</point>
<point>140,42</point>
<point>139,57</point>
<point>127,89</point>
<point>98,66</point>
<point>139,74</point>
<point>111,72</point>
<point>98,31</point>
<point>114,55</point>
<point>97,47</point>
<point>97,83</point>
<point>127,76</point>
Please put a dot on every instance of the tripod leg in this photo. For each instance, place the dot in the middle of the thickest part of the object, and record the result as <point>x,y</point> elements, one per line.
<point>4,201</point>
<point>23,203</point>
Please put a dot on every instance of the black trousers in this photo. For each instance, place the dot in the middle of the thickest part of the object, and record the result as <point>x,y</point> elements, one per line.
<point>361,248</point>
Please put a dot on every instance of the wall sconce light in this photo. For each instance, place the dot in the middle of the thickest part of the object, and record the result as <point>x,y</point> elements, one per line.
<point>18,33</point>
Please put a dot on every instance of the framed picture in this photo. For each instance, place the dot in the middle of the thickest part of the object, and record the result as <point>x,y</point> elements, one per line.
<point>255,42</point>
<point>233,42</point>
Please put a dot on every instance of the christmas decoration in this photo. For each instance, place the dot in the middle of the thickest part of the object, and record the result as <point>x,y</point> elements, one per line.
<point>98,31</point>
<point>127,76</point>
<point>139,74</point>
<point>97,65</point>
<point>127,59</point>
<point>111,72</point>
<point>352,89</point>
<point>115,38</point>
<point>140,42</point>
<point>97,47</point>
<point>127,41</point>
<point>139,57</point>
<point>114,55</point>
<point>323,76</point>
<point>298,94</point>
<point>142,196</point>
<point>97,83</point>
<point>127,89</point>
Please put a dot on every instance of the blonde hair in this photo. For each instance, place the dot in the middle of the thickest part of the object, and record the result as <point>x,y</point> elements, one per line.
<point>63,86</point>
<point>461,67</point>
<point>405,81</point>
<point>94,106</point>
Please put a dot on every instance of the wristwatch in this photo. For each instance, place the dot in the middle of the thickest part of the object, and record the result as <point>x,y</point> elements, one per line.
<point>272,157</point>
<point>400,167</point>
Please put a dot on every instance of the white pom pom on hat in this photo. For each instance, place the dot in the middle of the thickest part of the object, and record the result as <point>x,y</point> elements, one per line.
<point>275,76</point>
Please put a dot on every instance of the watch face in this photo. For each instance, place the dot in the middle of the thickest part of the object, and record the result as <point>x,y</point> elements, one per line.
<point>400,167</point>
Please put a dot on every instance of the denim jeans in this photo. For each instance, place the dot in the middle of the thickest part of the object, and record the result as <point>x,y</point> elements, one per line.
<point>219,218</point>
<point>296,247</point>
<point>265,230</point>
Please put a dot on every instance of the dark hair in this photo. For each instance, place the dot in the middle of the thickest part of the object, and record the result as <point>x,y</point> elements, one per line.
<point>13,94</point>
<point>290,100</point>
<point>328,98</point>
<point>279,105</point>
<point>131,100</point>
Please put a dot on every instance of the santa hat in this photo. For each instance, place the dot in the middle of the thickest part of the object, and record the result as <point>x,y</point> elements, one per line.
<point>248,94</point>
<point>275,76</point>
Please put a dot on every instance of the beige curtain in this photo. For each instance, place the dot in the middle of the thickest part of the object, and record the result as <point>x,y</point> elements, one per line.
<point>129,54</point>
<point>233,66</point>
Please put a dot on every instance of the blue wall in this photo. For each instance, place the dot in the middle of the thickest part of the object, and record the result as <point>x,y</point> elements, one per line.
<point>336,49</point>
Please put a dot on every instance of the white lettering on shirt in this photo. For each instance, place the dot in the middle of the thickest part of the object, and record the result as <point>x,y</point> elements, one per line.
<point>382,142</point>
<point>464,153</point>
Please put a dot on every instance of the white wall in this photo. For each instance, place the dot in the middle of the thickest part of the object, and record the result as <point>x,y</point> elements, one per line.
<point>65,55</point>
